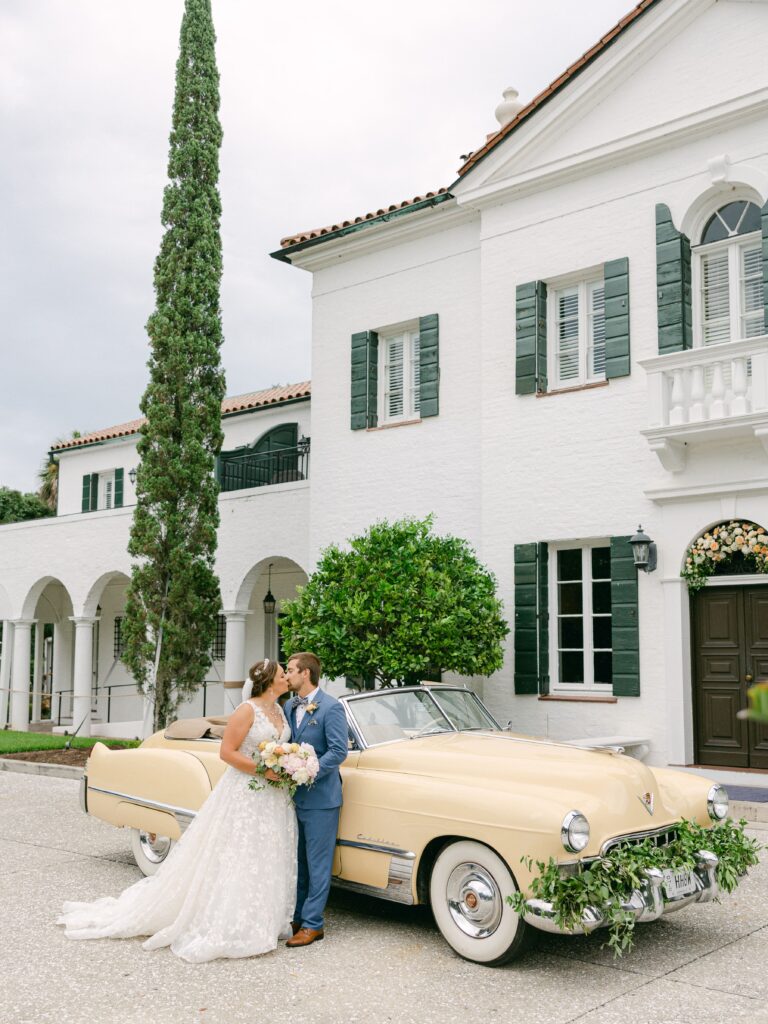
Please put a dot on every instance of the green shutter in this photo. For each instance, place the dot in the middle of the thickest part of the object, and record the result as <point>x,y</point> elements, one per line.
<point>429,365</point>
<point>531,338</point>
<point>365,368</point>
<point>86,505</point>
<point>616,276</point>
<point>118,488</point>
<point>764,219</point>
<point>531,619</point>
<point>673,284</point>
<point>624,620</point>
<point>94,491</point>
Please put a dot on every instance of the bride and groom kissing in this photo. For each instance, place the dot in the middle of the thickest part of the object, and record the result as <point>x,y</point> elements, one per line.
<point>253,867</point>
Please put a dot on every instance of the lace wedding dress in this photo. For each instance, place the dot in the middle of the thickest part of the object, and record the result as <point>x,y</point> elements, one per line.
<point>227,888</point>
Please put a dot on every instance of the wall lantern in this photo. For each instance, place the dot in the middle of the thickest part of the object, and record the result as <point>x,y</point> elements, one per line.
<point>269,598</point>
<point>132,476</point>
<point>643,551</point>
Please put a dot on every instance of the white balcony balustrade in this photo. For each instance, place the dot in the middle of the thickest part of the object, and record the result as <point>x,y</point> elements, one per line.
<point>708,393</point>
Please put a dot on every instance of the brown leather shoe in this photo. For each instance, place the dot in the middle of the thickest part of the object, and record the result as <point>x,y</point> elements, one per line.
<point>295,926</point>
<point>305,937</point>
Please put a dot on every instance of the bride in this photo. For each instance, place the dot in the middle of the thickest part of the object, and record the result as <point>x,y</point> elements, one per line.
<point>228,887</point>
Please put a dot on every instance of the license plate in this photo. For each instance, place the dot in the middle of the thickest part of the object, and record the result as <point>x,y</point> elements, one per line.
<point>678,883</point>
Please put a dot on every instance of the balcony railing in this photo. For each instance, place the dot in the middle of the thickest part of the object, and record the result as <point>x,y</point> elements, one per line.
<point>261,469</point>
<point>706,393</point>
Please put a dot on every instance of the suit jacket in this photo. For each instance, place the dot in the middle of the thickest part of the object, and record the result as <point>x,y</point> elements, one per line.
<point>326,730</point>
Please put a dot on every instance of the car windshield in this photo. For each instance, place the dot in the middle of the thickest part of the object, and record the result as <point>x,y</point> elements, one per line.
<point>407,714</point>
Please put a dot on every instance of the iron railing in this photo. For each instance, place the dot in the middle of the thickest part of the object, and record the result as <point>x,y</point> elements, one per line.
<point>261,469</point>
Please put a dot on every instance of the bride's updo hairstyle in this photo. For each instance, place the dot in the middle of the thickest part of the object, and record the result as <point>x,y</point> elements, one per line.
<point>261,675</point>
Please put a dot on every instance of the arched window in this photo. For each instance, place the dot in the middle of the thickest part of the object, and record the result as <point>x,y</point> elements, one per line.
<point>730,275</point>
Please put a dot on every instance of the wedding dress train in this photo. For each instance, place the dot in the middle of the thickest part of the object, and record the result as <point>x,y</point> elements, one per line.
<point>228,886</point>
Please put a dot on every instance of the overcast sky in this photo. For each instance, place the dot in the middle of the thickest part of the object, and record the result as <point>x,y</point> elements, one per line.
<point>329,110</point>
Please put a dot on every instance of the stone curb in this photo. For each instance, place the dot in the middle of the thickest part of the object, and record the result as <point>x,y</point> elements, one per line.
<point>56,771</point>
<point>752,812</point>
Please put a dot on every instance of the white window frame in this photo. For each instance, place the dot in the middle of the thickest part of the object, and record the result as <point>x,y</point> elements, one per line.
<point>589,686</point>
<point>106,490</point>
<point>584,284</point>
<point>735,247</point>
<point>408,333</point>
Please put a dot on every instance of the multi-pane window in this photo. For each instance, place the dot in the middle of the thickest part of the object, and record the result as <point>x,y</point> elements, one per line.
<point>730,275</point>
<point>117,638</point>
<point>583,618</point>
<point>107,490</point>
<point>219,646</point>
<point>577,315</point>
<point>400,376</point>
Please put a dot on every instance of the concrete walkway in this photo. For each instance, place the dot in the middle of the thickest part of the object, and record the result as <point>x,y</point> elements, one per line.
<point>379,962</point>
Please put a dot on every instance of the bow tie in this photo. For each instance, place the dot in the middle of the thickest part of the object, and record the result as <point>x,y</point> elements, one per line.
<point>300,701</point>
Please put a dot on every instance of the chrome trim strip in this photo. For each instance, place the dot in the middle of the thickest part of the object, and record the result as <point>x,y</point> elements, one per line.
<point>376,848</point>
<point>152,805</point>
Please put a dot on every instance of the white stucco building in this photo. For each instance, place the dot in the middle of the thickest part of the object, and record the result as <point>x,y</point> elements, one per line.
<point>568,341</point>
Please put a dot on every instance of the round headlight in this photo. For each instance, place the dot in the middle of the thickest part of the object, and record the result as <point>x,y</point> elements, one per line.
<point>717,802</point>
<point>574,832</point>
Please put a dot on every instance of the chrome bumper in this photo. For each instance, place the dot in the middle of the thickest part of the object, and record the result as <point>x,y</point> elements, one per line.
<point>84,794</point>
<point>647,903</point>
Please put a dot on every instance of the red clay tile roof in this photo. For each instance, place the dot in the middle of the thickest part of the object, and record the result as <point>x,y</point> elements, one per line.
<point>306,236</point>
<point>492,140</point>
<point>577,66</point>
<point>238,403</point>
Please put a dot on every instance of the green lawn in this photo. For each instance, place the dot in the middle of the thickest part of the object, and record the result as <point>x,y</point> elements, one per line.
<point>16,742</point>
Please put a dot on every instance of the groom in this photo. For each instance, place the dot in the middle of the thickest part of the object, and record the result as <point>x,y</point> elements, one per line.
<point>316,718</point>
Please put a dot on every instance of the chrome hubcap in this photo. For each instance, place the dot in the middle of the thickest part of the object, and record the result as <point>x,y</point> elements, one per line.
<point>474,900</point>
<point>155,848</point>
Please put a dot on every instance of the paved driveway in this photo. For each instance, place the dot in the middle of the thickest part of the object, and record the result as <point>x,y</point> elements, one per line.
<point>379,962</point>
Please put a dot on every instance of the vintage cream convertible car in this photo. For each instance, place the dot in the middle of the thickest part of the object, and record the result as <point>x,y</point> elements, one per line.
<point>440,805</point>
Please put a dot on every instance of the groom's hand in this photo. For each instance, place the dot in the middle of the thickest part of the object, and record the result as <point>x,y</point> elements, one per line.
<point>272,776</point>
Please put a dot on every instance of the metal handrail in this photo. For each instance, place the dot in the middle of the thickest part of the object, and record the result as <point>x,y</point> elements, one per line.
<point>99,692</point>
<point>261,469</point>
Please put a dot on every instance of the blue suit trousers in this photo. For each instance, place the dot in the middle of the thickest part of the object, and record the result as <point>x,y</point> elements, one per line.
<point>317,844</point>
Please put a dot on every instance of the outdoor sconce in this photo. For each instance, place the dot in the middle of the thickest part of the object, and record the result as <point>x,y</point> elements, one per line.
<point>643,551</point>
<point>269,598</point>
<point>303,444</point>
<point>132,476</point>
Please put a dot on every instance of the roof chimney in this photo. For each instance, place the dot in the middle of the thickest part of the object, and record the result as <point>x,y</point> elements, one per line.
<point>509,107</point>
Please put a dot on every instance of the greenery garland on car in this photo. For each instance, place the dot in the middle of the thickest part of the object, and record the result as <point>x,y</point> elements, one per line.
<point>607,881</point>
<point>723,545</point>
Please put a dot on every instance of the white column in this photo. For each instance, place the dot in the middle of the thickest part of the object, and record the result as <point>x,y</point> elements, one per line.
<point>234,658</point>
<point>5,670</point>
<point>83,675</point>
<point>62,667</point>
<point>37,673</point>
<point>677,664</point>
<point>22,639</point>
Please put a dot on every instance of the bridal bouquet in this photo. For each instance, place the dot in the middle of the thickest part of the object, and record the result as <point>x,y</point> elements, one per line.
<point>295,763</point>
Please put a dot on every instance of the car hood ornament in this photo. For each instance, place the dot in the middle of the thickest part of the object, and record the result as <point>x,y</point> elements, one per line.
<point>647,801</point>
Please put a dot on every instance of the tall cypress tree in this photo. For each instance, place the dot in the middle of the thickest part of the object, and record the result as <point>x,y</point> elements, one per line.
<point>173,597</point>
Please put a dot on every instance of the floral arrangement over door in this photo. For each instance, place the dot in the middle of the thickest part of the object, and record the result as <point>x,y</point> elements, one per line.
<point>720,547</point>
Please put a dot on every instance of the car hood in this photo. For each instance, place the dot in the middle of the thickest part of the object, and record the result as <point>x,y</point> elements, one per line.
<point>545,772</point>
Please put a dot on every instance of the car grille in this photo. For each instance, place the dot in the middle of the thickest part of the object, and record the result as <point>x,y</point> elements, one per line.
<point>658,837</point>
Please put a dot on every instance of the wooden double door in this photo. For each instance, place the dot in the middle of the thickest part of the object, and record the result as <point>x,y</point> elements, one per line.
<point>730,637</point>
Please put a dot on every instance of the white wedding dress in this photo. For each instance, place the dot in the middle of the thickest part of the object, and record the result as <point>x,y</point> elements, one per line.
<point>227,888</point>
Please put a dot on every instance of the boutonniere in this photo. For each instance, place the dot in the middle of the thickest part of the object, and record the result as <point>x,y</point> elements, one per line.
<point>310,709</point>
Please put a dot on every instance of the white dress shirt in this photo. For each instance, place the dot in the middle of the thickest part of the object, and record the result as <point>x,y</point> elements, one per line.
<point>301,710</point>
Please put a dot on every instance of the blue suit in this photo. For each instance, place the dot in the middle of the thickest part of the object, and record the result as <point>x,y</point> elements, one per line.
<point>317,806</point>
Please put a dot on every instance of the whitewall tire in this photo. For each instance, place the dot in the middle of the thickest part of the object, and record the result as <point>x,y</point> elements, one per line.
<point>150,850</point>
<point>468,891</point>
